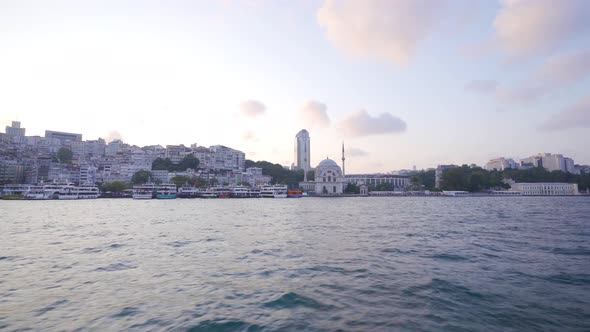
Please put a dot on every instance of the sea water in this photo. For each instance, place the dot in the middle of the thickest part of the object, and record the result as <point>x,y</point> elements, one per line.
<point>317,264</point>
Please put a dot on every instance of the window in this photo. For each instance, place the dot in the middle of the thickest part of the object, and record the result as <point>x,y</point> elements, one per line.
<point>334,189</point>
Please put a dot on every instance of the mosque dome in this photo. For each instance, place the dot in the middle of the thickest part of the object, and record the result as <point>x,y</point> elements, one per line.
<point>328,162</point>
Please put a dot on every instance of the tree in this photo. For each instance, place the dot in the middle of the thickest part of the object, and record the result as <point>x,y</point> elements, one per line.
<point>64,155</point>
<point>180,180</point>
<point>141,177</point>
<point>278,173</point>
<point>160,164</point>
<point>311,175</point>
<point>352,188</point>
<point>115,186</point>
<point>189,161</point>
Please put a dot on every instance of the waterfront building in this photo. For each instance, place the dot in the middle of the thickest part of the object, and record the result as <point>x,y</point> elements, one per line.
<point>328,178</point>
<point>113,147</point>
<point>62,137</point>
<point>500,164</point>
<point>546,189</point>
<point>438,173</point>
<point>302,152</point>
<point>254,177</point>
<point>398,182</point>
<point>204,155</point>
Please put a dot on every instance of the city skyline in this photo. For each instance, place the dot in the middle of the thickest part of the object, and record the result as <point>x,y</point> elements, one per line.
<point>443,90</point>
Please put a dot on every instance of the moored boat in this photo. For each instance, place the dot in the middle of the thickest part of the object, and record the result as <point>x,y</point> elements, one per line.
<point>273,191</point>
<point>166,191</point>
<point>144,191</point>
<point>294,193</point>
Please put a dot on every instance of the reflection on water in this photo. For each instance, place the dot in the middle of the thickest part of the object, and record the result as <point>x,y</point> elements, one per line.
<point>517,263</point>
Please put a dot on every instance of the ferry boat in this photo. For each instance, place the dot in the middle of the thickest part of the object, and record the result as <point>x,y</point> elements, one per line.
<point>88,192</point>
<point>144,191</point>
<point>207,194</point>
<point>166,191</point>
<point>273,191</point>
<point>68,192</point>
<point>239,192</point>
<point>294,193</point>
<point>46,191</point>
<point>188,192</point>
<point>455,193</point>
<point>221,192</point>
<point>254,193</point>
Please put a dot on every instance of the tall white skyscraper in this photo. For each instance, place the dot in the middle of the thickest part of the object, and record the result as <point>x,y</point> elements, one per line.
<point>302,152</point>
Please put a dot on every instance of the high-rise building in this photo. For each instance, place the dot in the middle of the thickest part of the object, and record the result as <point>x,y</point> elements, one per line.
<point>15,130</point>
<point>500,164</point>
<point>302,152</point>
<point>62,136</point>
<point>551,162</point>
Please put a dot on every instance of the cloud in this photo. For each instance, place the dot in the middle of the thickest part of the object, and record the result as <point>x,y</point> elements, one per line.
<point>113,135</point>
<point>575,116</point>
<point>556,73</point>
<point>252,108</point>
<point>362,124</point>
<point>383,29</point>
<point>529,27</point>
<point>482,86</point>
<point>356,152</point>
<point>250,136</point>
<point>315,114</point>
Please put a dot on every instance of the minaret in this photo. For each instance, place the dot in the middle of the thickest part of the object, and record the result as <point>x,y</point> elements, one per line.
<point>343,159</point>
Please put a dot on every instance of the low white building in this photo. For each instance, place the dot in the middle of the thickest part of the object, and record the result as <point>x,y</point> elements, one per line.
<point>398,182</point>
<point>546,189</point>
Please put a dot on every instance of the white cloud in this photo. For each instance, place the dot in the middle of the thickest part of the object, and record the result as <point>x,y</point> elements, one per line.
<point>252,108</point>
<point>250,136</point>
<point>362,124</point>
<point>576,116</point>
<point>482,86</point>
<point>113,135</point>
<point>529,27</point>
<point>356,152</point>
<point>314,114</point>
<point>556,73</point>
<point>384,29</point>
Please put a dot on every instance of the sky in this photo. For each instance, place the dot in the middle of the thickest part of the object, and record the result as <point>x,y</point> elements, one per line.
<point>402,83</point>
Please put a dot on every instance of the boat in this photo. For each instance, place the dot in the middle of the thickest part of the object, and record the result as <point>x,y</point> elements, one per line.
<point>221,192</point>
<point>188,192</point>
<point>46,191</point>
<point>68,192</point>
<point>144,191</point>
<point>206,194</point>
<point>239,192</point>
<point>294,193</point>
<point>273,191</point>
<point>166,191</point>
<point>254,193</point>
<point>88,192</point>
<point>455,193</point>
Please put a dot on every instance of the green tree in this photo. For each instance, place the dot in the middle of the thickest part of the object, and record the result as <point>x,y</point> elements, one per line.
<point>187,162</point>
<point>141,177</point>
<point>179,180</point>
<point>64,155</point>
<point>160,164</point>
<point>115,186</point>
<point>352,188</point>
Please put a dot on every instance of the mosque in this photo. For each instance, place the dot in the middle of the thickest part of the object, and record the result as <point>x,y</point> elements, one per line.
<point>329,178</point>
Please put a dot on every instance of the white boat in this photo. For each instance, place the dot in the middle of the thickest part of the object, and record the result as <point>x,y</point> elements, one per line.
<point>46,191</point>
<point>239,192</point>
<point>221,192</point>
<point>207,194</point>
<point>188,192</point>
<point>455,193</point>
<point>273,191</point>
<point>68,192</point>
<point>166,191</point>
<point>88,192</point>
<point>144,191</point>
